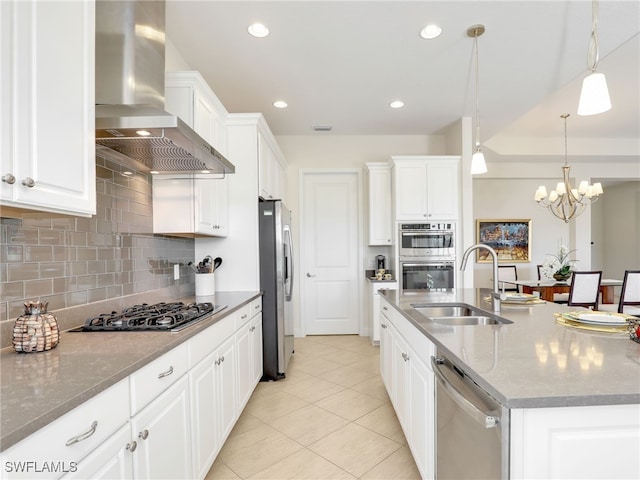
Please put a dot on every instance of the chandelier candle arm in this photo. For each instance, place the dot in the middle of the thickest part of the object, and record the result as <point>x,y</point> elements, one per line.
<point>566,202</point>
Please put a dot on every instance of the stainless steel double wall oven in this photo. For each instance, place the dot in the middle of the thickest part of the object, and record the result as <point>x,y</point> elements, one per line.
<point>427,254</point>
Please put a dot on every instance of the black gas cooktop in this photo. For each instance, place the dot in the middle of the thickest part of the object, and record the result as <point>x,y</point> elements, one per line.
<point>169,317</point>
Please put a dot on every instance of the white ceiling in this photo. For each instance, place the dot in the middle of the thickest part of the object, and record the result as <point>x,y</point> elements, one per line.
<point>340,63</point>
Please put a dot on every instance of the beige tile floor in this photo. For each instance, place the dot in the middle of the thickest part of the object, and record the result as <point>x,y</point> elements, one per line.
<point>330,418</point>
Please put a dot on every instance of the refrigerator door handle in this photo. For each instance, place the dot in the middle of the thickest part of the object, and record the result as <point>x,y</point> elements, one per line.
<point>288,259</point>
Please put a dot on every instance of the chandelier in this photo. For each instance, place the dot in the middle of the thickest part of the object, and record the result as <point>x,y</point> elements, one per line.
<point>566,202</point>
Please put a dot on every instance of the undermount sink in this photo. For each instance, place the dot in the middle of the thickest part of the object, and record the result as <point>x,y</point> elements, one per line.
<point>457,314</point>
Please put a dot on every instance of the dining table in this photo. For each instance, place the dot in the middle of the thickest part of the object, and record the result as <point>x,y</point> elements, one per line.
<point>548,287</point>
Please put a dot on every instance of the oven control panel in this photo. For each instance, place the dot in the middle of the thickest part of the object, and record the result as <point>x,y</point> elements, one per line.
<point>427,226</point>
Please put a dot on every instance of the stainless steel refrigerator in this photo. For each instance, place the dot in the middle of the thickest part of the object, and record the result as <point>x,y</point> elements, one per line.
<point>276,281</point>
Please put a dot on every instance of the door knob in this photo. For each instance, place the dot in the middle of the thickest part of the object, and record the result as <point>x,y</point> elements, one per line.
<point>309,275</point>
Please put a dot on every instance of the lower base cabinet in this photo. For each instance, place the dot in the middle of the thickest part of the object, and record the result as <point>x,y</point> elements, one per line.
<point>175,432</point>
<point>162,427</point>
<point>410,383</point>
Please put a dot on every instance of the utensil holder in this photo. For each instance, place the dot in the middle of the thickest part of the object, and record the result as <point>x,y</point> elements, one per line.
<point>205,284</point>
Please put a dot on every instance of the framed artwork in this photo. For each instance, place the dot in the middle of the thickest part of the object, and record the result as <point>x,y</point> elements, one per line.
<point>511,239</point>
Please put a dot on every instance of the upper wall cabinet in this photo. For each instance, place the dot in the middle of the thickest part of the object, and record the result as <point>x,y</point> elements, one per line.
<point>379,194</point>
<point>188,96</point>
<point>47,134</point>
<point>271,177</point>
<point>426,187</point>
<point>193,205</point>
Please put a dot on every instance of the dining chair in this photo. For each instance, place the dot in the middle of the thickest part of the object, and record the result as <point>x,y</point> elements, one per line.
<point>629,296</point>
<point>557,297</point>
<point>508,273</point>
<point>585,289</point>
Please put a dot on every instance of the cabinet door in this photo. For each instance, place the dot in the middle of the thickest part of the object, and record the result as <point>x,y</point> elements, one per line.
<point>385,351</point>
<point>244,345</point>
<point>379,205</point>
<point>400,377</point>
<point>411,191</point>
<point>266,161</point>
<point>256,349</point>
<point>161,427</point>
<point>226,377</point>
<point>203,416</point>
<point>421,399</point>
<point>442,190</point>
<point>112,459</point>
<point>50,146</point>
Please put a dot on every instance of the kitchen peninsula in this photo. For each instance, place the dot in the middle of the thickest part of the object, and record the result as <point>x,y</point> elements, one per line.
<point>572,396</point>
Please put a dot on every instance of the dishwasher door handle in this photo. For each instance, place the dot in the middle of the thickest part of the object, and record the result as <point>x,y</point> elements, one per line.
<point>485,419</point>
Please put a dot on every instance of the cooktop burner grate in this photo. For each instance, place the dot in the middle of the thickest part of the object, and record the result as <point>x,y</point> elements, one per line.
<point>162,316</point>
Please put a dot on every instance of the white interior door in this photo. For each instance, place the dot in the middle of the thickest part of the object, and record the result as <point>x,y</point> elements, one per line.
<point>329,234</point>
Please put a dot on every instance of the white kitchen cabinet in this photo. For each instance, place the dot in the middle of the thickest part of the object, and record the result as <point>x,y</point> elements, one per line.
<point>379,203</point>
<point>249,348</point>
<point>426,188</point>
<point>405,355</point>
<point>213,405</point>
<point>112,459</point>
<point>188,96</point>
<point>374,308</point>
<point>575,442</point>
<point>72,437</point>
<point>192,206</point>
<point>47,133</point>
<point>271,172</point>
<point>162,431</point>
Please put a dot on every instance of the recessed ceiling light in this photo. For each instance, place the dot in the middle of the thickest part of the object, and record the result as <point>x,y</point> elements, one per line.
<point>430,32</point>
<point>280,104</point>
<point>397,104</point>
<point>258,30</point>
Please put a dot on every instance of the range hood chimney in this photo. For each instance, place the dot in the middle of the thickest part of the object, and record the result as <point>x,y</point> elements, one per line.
<point>132,127</point>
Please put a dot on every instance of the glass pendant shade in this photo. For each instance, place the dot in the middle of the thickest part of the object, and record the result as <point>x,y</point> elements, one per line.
<point>594,97</point>
<point>478,165</point>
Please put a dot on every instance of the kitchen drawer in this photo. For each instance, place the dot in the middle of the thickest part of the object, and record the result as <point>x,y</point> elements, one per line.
<point>207,341</point>
<point>256,306</point>
<point>243,315</point>
<point>71,437</point>
<point>148,382</point>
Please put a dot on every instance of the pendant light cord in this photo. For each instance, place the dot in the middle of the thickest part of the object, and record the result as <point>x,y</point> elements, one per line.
<point>593,53</point>
<point>475,44</point>
<point>565,115</point>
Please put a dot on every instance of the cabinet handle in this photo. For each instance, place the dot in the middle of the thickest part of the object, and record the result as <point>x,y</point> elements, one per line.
<point>309,275</point>
<point>167,373</point>
<point>222,359</point>
<point>383,325</point>
<point>405,357</point>
<point>385,308</point>
<point>29,182</point>
<point>256,307</point>
<point>252,329</point>
<point>8,178</point>
<point>243,316</point>
<point>217,362</point>
<point>143,434</point>
<point>83,436</point>
<point>132,446</point>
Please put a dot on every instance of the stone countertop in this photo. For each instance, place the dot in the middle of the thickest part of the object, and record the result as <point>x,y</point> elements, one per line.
<point>533,362</point>
<point>37,388</point>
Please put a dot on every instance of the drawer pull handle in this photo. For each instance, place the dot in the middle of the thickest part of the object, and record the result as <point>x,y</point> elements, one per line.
<point>132,446</point>
<point>29,182</point>
<point>144,434</point>
<point>83,436</point>
<point>8,178</point>
<point>167,373</point>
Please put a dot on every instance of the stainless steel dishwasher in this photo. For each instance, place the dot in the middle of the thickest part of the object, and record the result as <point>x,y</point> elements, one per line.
<point>472,429</point>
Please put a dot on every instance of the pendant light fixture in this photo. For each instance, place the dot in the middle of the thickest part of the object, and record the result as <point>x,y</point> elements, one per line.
<point>478,164</point>
<point>594,97</point>
<point>566,202</point>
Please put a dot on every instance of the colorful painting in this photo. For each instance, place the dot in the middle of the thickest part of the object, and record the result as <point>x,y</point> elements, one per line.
<point>511,239</point>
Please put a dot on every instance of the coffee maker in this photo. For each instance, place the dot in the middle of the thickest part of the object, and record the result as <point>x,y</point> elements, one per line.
<point>381,261</point>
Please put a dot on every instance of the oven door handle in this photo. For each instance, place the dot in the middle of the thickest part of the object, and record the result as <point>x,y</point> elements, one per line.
<point>432,264</point>
<point>486,419</point>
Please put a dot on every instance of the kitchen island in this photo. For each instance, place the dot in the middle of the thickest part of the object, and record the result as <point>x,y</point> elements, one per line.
<point>573,396</point>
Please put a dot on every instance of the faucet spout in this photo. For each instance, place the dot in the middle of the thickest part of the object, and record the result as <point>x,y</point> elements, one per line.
<point>495,295</point>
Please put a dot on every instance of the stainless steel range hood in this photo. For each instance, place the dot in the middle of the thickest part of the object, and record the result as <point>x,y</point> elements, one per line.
<point>132,126</point>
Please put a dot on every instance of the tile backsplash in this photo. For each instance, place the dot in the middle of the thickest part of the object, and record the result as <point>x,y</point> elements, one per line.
<point>73,261</point>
